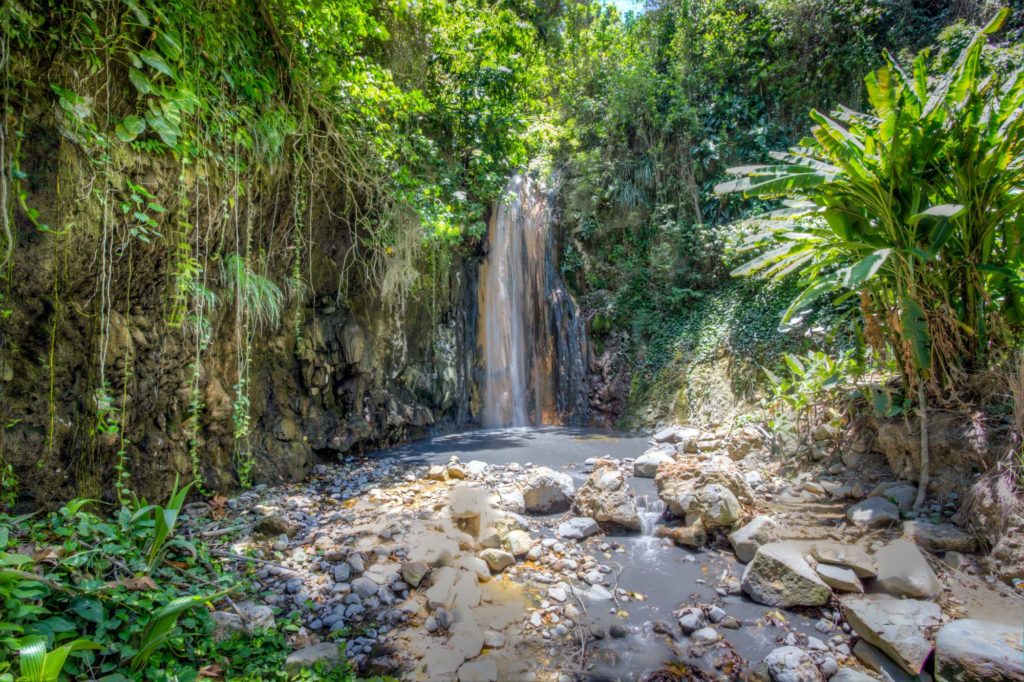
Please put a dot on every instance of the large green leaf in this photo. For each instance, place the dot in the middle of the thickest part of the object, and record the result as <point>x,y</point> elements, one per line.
<point>130,128</point>
<point>914,329</point>
<point>154,59</point>
<point>140,81</point>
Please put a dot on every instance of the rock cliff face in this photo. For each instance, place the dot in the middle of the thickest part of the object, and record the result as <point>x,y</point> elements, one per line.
<point>102,380</point>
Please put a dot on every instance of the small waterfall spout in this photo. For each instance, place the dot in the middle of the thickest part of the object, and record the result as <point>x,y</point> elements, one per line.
<point>533,339</point>
<point>650,509</point>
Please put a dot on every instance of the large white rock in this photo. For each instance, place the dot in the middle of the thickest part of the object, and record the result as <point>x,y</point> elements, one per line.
<point>646,465</point>
<point>608,499</point>
<point>747,539</point>
<point>839,578</point>
<point>898,627</point>
<point>578,528</point>
<point>710,491</point>
<point>904,572</point>
<point>779,575</point>
<point>518,542</point>
<point>548,491</point>
<point>719,508</point>
<point>873,512</point>
<point>978,650</point>
<point>792,664</point>
<point>850,556</point>
<point>677,434</point>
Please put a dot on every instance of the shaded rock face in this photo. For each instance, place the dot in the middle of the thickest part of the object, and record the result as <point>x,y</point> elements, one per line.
<point>336,375</point>
<point>956,443</point>
<point>608,499</point>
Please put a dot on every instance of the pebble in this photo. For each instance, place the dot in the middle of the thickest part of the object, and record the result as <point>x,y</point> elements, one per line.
<point>707,635</point>
<point>716,614</point>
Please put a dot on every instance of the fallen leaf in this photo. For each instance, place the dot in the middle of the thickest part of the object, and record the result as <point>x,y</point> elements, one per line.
<point>139,583</point>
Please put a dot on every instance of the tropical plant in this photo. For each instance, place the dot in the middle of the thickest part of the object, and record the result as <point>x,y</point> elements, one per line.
<point>162,520</point>
<point>97,595</point>
<point>39,665</point>
<point>916,207</point>
<point>807,381</point>
<point>254,293</point>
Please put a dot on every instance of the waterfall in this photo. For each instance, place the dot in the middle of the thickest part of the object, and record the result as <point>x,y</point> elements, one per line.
<point>650,509</point>
<point>533,339</point>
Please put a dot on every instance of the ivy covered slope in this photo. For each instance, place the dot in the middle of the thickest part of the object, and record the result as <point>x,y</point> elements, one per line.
<point>651,111</point>
<point>235,234</point>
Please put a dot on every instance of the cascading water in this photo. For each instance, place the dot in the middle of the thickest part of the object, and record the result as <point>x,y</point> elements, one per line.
<point>534,342</point>
<point>651,509</point>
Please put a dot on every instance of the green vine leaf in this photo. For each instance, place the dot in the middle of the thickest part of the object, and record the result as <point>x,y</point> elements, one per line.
<point>154,59</point>
<point>130,128</point>
<point>140,81</point>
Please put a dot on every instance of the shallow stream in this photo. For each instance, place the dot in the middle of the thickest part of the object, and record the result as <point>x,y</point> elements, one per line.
<point>667,576</point>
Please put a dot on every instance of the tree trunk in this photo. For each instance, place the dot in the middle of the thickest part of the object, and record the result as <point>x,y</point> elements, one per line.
<point>922,483</point>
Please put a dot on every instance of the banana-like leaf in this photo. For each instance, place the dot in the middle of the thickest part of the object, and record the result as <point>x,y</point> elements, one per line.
<point>854,276</point>
<point>39,665</point>
<point>914,330</point>
<point>940,212</point>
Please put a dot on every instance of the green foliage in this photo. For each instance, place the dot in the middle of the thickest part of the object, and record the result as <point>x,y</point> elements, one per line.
<point>96,597</point>
<point>915,205</point>
<point>260,299</point>
<point>39,665</point>
<point>805,385</point>
<point>117,599</point>
<point>648,112</point>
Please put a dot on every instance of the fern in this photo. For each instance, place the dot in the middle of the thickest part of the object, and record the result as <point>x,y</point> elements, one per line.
<point>259,297</point>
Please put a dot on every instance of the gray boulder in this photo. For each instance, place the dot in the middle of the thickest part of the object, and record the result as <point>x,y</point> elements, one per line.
<point>904,572</point>
<point>578,528</point>
<point>747,539</point>
<point>646,465</point>
<point>780,576</point>
<point>849,556</point>
<point>483,669</point>
<point>876,661</point>
<point>979,650</point>
<point>942,537</point>
<point>328,654</point>
<point>677,434</point>
<point>839,578</point>
<point>792,664</point>
<point>548,491</point>
<point>899,627</point>
<point>873,512</point>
